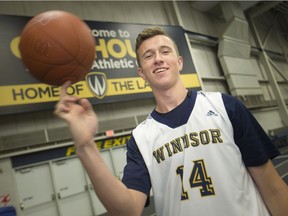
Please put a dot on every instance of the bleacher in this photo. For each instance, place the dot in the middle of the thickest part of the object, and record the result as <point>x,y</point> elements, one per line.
<point>279,136</point>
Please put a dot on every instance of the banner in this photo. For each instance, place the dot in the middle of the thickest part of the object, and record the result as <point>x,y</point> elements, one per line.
<point>113,76</point>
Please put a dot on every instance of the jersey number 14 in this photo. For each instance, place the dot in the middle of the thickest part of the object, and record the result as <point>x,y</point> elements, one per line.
<point>198,178</point>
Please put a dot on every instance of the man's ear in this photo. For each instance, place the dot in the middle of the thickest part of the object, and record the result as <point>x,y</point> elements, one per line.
<point>180,63</point>
<point>140,73</point>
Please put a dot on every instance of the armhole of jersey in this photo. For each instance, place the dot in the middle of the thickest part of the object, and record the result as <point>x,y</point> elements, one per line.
<point>268,150</point>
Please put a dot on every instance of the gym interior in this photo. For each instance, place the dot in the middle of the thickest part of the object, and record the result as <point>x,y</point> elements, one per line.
<point>234,47</point>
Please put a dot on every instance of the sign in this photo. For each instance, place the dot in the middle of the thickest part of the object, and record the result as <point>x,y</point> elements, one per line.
<point>67,151</point>
<point>113,76</point>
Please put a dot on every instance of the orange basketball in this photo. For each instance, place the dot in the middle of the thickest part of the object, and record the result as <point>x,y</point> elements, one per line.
<point>57,46</point>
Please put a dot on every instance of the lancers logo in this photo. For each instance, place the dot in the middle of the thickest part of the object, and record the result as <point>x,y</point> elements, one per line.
<point>97,83</point>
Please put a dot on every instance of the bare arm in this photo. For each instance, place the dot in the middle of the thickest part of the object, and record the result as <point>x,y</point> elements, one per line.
<point>83,124</point>
<point>272,188</point>
<point>115,196</point>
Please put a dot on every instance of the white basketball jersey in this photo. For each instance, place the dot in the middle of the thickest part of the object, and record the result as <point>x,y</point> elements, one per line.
<point>197,169</point>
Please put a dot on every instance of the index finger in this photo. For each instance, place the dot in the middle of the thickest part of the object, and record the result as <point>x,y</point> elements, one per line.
<point>64,87</point>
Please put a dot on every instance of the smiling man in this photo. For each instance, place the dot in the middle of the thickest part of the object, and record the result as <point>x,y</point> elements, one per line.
<point>202,153</point>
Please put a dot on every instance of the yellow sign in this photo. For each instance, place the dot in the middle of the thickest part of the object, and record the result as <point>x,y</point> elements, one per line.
<point>103,144</point>
<point>39,93</point>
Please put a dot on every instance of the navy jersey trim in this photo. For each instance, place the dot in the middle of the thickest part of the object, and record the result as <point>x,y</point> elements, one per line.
<point>178,116</point>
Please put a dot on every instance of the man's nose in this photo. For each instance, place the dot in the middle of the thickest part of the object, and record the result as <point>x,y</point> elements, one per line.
<point>158,58</point>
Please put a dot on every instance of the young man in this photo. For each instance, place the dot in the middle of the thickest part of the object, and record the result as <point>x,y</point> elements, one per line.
<point>202,153</point>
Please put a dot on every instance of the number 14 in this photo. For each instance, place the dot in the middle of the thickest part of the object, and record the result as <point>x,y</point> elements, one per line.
<point>198,178</point>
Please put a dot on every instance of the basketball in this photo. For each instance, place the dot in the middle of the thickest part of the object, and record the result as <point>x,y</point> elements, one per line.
<point>57,46</point>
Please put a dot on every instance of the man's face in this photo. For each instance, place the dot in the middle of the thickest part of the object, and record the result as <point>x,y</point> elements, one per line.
<point>160,63</point>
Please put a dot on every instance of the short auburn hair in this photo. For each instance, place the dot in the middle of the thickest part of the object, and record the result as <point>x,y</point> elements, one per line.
<point>149,33</point>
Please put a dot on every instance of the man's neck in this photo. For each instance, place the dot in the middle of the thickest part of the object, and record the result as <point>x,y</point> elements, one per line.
<point>169,99</point>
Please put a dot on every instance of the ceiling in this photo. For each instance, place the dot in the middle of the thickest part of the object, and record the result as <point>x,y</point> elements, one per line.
<point>207,6</point>
<point>254,8</point>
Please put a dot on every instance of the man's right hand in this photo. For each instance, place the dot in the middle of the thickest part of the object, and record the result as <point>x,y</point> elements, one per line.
<point>79,114</point>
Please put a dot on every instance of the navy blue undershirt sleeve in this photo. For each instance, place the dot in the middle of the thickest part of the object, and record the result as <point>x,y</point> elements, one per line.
<point>136,175</point>
<point>255,145</point>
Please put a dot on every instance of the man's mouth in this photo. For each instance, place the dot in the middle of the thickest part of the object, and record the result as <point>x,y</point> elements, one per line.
<point>159,70</point>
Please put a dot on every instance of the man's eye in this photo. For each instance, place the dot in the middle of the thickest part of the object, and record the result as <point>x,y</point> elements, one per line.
<point>148,56</point>
<point>166,51</point>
